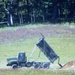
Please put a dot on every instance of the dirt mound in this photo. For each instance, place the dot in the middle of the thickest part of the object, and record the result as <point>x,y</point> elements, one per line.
<point>69,66</point>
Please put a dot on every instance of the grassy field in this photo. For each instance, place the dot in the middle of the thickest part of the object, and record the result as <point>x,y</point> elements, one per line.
<point>34,72</point>
<point>63,46</point>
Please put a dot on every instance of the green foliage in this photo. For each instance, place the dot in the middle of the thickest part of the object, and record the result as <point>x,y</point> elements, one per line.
<point>31,11</point>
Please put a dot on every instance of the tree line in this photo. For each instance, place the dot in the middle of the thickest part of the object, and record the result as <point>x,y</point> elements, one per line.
<point>32,11</point>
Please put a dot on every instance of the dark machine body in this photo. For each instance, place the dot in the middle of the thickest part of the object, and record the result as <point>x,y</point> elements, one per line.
<point>21,59</point>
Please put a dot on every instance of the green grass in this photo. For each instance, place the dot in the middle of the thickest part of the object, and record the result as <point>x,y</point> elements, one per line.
<point>15,27</point>
<point>64,47</point>
<point>21,26</point>
<point>34,72</point>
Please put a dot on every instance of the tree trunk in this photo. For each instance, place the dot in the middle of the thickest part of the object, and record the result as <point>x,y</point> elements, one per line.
<point>28,18</point>
<point>55,11</point>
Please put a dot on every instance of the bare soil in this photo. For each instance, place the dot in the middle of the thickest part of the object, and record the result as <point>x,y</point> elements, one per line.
<point>25,33</point>
<point>69,66</point>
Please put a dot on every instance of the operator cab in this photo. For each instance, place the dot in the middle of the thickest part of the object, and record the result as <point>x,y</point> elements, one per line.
<point>22,57</point>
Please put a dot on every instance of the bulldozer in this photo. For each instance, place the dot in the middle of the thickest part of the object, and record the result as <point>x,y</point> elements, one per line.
<point>21,59</point>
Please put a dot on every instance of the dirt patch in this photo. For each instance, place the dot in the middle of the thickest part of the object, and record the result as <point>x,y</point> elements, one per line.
<point>69,66</point>
<point>25,33</point>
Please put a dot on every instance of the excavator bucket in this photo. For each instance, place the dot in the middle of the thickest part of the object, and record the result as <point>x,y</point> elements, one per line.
<point>47,50</point>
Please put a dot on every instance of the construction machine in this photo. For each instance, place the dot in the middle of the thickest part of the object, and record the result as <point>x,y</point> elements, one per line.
<point>21,59</point>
